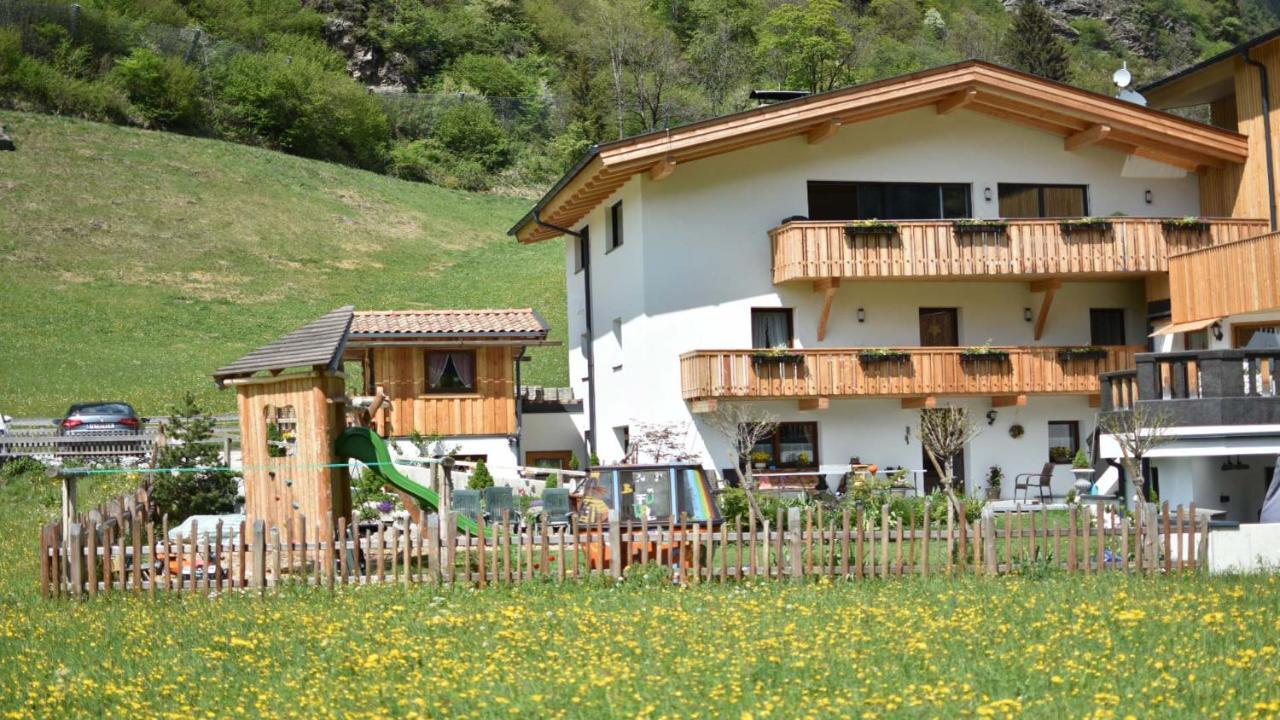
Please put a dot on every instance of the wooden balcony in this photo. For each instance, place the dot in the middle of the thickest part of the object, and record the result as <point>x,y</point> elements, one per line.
<point>1226,279</point>
<point>929,249</point>
<point>917,375</point>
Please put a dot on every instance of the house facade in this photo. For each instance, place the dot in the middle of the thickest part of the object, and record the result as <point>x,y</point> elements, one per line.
<point>966,235</point>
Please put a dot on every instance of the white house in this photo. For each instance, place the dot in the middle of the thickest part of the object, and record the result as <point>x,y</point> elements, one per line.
<point>730,261</point>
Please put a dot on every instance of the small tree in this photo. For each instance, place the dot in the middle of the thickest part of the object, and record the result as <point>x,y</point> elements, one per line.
<point>1032,46</point>
<point>480,477</point>
<point>1137,432</point>
<point>744,425</point>
<point>944,432</point>
<point>198,485</point>
<point>659,443</point>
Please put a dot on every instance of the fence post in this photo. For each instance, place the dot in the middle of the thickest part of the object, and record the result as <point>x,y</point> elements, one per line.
<point>989,539</point>
<point>75,20</point>
<point>259,551</point>
<point>191,50</point>
<point>615,546</point>
<point>797,556</point>
<point>75,558</point>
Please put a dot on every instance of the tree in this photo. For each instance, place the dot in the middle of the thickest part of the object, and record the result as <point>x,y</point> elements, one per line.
<point>1032,45</point>
<point>744,426</point>
<point>659,443</point>
<point>198,485</point>
<point>944,432</point>
<point>480,477</point>
<point>1137,432</point>
<point>808,46</point>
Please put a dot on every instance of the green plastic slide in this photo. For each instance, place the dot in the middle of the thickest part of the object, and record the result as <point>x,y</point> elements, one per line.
<point>366,446</point>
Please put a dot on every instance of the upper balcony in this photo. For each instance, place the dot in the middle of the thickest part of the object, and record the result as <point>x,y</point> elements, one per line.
<point>917,375</point>
<point>1225,279</point>
<point>998,249</point>
<point>1207,387</point>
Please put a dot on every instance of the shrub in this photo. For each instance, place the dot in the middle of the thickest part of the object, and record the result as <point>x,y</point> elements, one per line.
<point>34,84</point>
<point>491,76</point>
<point>295,104</point>
<point>480,477</point>
<point>202,488</point>
<point>470,130</point>
<point>165,90</point>
<point>427,161</point>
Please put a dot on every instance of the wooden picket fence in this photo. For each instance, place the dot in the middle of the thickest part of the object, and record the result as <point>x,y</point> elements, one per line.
<point>127,553</point>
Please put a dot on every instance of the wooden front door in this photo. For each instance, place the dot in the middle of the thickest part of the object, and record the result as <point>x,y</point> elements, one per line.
<point>933,481</point>
<point>939,327</point>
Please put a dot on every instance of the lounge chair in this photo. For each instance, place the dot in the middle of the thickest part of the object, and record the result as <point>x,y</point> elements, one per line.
<point>498,500</point>
<point>467,502</point>
<point>1038,480</point>
<point>555,506</point>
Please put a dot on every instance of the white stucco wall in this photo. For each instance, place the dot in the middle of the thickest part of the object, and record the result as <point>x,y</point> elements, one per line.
<point>1239,493</point>
<point>697,259</point>
<point>553,431</point>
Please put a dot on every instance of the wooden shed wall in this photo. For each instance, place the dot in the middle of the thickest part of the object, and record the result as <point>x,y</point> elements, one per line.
<point>299,478</point>
<point>1241,190</point>
<point>491,410</point>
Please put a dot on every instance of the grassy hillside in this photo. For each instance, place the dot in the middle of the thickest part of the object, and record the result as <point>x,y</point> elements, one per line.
<point>136,262</point>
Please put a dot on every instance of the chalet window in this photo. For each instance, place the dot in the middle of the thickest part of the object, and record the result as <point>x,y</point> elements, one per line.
<point>1043,201</point>
<point>887,201</point>
<point>1106,326</point>
<point>771,328</point>
<point>453,371</point>
<point>1064,440</point>
<point>791,445</point>
<point>615,227</point>
<point>1196,340</point>
<point>282,431</point>
<point>582,250</point>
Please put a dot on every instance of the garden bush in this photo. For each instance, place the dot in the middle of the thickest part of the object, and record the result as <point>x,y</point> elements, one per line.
<point>427,161</point>
<point>200,488</point>
<point>165,90</point>
<point>480,477</point>
<point>491,76</point>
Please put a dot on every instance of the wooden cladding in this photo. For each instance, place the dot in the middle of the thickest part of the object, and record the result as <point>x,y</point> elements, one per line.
<point>490,410</point>
<point>809,250</point>
<point>1238,277</point>
<point>841,373</point>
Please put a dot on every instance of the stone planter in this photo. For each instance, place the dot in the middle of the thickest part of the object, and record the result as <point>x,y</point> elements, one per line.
<point>1084,480</point>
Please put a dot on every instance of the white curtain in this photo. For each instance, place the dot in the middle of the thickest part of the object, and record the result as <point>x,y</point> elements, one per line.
<point>770,330</point>
<point>436,364</point>
<point>464,365</point>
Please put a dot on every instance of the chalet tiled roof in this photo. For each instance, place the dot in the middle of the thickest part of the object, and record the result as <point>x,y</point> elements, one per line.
<point>318,343</point>
<point>514,322</point>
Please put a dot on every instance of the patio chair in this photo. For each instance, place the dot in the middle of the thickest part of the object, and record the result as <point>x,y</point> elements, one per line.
<point>467,502</point>
<point>1038,480</point>
<point>555,506</point>
<point>498,500</point>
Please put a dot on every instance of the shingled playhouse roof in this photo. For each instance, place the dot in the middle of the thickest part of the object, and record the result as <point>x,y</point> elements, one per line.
<point>319,343</point>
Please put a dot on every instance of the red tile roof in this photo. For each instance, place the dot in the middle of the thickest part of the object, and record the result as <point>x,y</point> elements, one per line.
<point>522,322</point>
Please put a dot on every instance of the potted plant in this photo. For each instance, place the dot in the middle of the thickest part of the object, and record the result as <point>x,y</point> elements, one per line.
<point>1083,470</point>
<point>984,352</point>
<point>1084,225</point>
<point>803,459</point>
<point>777,356</point>
<point>978,225</point>
<point>1060,454</point>
<point>759,459</point>
<point>869,227</point>
<point>1190,222</point>
<point>995,477</point>
<point>1016,431</point>
<point>879,355</point>
<point>1084,352</point>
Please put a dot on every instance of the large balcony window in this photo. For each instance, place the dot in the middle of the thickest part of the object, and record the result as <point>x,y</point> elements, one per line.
<point>771,328</point>
<point>887,201</point>
<point>1043,201</point>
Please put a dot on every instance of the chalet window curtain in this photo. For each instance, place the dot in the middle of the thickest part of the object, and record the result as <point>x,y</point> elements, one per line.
<point>770,330</point>
<point>464,366</point>
<point>436,364</point>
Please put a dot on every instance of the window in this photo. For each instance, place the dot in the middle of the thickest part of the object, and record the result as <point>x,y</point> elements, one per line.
<point>1106,326</point>
<point>451,372</point>
<point>1196,340</point>
<point>582,251</point>
<point>771,328</point>
<point>939,327</point>
<point>1064,440</point>
<point>615,227</point>
<point>887,201</point>
<point>1043,201</point>
<point>791,445</point>
<point>282,431</point>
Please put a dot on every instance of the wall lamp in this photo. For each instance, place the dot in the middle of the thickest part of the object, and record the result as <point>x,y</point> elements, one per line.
<point>1217,330</point>
<point>986,194</point>
<point>862,315</point>
<point>1147,196</point>
<point>1026,314</point>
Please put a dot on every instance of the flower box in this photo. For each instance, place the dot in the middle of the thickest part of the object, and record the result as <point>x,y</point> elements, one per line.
<point>883,356</point>
<point>869,227</point>
<point>1082,353</point>
<point>776,358</point>
<point>974,227</point>
<point>1085,225</point>
<point>984,353</point>
<point>1189,224</point>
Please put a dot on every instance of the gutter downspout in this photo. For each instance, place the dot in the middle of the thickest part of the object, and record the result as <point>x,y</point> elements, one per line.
<point>589,348</point>
<point>1266,131</point>
<point>519,405</point>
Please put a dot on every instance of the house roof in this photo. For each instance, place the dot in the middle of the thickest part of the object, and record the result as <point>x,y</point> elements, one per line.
<point>1204,81</point>
<point>516,323</point>
<point>1080,116</point>
<point>318,343</point>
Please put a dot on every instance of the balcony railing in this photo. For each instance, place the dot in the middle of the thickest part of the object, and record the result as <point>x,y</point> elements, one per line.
<point>1208,387</point>
<point>1227,279</point>
<point>812,250</point>
<point>906,373</point>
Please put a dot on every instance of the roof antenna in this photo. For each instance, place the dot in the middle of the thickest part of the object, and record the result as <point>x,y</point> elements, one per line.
<point>1123,78</point>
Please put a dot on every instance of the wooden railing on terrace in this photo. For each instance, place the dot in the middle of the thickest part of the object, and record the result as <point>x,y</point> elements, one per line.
<point>811,250</point>
<point>849,372</point>
<point>1227,279</point>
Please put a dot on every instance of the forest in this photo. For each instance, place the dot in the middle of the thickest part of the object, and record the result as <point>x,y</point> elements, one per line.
<point>505,94</point>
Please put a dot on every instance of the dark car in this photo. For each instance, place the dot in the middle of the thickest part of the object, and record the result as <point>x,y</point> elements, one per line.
<point>100,417</point>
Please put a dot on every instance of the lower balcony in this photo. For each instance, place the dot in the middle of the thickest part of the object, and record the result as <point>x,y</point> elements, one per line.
<point>1207,387</point>
<point>918,375</point>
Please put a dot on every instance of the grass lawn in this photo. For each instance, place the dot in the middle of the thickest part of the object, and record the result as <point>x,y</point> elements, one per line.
<point>137,262</point>
<point>1050,647</point>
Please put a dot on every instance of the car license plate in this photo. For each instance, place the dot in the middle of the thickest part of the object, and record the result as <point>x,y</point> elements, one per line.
<point>99,426</point>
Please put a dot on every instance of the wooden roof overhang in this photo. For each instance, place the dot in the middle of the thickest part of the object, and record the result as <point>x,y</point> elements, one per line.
<point>1081,117</point>
<point>317,345</point>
